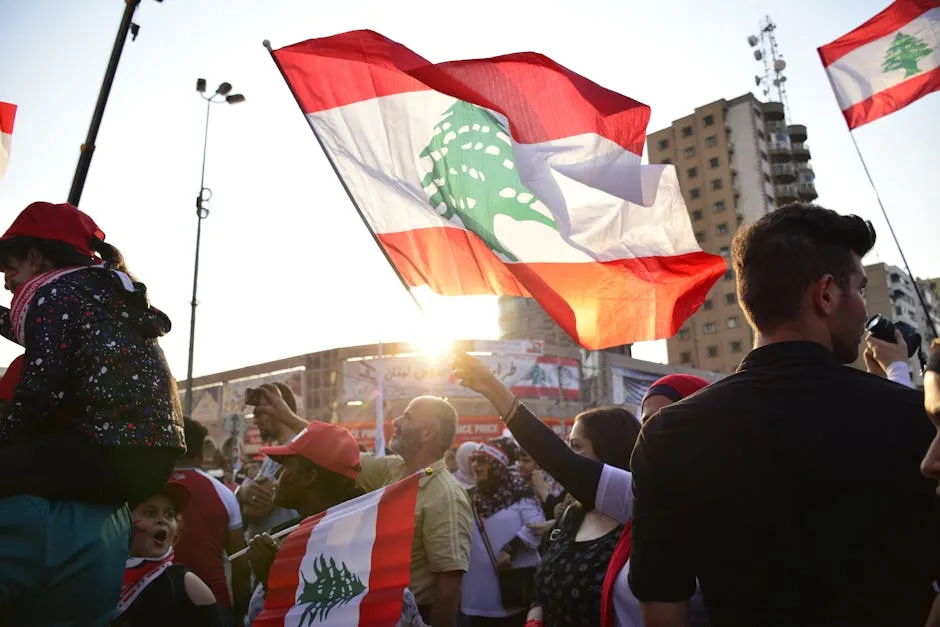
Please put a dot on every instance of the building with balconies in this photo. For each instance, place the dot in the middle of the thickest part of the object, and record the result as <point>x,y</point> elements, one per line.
<point>729,155</point>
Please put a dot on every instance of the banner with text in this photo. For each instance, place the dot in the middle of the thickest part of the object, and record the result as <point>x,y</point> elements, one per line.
<point>528,376</point>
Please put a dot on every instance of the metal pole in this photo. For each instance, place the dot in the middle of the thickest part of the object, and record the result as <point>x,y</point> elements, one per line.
<point>380,405</point>
<point>88,148</point>
<point>929,321</point>
<point>201,214</point>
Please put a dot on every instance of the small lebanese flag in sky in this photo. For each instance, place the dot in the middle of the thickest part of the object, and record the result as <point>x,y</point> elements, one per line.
<point>886,63</point>
<point>7,115</point>
<point>511,176</point>
<point>347,566</point>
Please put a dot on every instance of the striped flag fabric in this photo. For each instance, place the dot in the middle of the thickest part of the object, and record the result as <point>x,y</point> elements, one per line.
<point>7,115</point>
<point>886,63</point>
<point>512,176</point>
<point>346,566</point>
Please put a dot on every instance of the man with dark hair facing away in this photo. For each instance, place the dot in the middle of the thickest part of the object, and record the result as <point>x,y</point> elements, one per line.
<point>790,489</point>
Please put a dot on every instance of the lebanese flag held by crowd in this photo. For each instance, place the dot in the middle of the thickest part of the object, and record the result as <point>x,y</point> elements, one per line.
<point>511,176</point>
<point>346,566</point>
<point>886,63</point>
<point>7,115</point>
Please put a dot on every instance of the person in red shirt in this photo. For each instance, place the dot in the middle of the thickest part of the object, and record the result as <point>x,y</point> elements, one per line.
<point>213,528</point>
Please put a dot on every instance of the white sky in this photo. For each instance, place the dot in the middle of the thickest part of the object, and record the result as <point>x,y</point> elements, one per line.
<point>287,266</point>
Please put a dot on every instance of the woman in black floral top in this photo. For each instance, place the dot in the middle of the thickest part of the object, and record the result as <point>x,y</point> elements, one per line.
<point>568,583</point>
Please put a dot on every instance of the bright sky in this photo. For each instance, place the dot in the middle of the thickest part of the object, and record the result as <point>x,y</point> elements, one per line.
<point>287,267</point>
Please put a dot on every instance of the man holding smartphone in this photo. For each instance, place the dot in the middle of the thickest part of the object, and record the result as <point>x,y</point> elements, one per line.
<point>255,495</point>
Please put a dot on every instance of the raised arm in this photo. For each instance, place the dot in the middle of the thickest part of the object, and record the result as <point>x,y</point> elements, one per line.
<point>578,474</point>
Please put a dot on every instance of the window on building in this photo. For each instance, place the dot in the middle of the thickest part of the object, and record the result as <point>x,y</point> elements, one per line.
<point>717,184</point>
<point>663,144</point>
<point>898,311</point>
<point>729,275</point>
<point>685,357</point>
<point>688,152</point>
<point>684,334</point>
<point>697,215</point>
<point>708,120</point>
<point>722,229</point>
<point>767,178</point>
<point>733,322</point>
<point>763,156</point>
<point>687,131</point>
<point>692,172</point>
<point>707,305</point>
<point>736,346</point>
<point>719,206</point>
<point>709,328</point>
<point>700,236</point>
<point>724,251</point>
<point>731,298</point>
<point>713,163</point>
<point>694,193</point>
<point>761,135</point>
<point>712,351</point>
<point>711,141</point>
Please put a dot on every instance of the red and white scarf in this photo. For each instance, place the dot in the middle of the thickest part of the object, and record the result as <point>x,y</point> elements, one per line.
<point>139,572</point>
<point>24,295</point>
<point>23,299</point>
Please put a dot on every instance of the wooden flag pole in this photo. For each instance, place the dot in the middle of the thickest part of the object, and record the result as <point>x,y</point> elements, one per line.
<point>920,296</point>
<point>352,199</point>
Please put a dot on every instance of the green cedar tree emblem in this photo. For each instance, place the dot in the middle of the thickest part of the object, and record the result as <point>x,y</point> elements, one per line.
<point>332,586</point>
<point>473,177</point>
<point>904,54</point>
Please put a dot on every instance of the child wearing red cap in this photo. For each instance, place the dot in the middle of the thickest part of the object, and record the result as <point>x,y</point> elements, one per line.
<point>91,417</point>
<point>157,591</point>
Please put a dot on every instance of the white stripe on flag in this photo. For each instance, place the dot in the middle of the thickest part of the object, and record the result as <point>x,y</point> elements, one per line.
<point>346,535</point>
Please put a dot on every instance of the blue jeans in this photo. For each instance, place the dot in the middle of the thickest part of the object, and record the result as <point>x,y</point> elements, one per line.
<point>61,562</point>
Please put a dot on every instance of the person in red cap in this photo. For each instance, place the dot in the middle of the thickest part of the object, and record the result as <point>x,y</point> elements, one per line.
<point>156,590</point>
<point>92,421</point>
<point>319,469</point>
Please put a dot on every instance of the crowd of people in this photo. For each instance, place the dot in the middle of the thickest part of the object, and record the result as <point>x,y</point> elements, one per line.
<point>796,491</point>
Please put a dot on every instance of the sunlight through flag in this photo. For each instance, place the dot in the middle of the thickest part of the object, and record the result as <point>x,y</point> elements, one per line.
<point>511,176</point>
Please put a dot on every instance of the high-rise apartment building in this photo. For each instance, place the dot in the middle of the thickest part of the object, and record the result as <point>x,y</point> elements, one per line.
<point>737,160</point>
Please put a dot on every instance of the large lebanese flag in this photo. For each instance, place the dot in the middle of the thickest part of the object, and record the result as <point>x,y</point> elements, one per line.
<point>886,63</point>
<point>7,115</point>
<point>509,176</point>
<point>347,566</point>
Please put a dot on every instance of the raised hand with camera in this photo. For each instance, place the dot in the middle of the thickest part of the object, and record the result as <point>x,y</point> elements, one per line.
<point>888,346</point>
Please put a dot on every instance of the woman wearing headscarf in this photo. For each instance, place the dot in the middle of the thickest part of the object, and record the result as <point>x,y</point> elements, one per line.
<point>503,508</point>
<point>596,485</point>
<point>464,474</point>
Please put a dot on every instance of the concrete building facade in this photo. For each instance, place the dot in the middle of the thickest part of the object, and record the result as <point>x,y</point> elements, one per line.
<point>737,160</point>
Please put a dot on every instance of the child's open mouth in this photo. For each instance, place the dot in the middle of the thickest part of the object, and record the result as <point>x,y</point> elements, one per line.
<point>160,535</point>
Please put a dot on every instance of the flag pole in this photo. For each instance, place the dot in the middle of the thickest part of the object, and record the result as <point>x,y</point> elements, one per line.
<point>380,405</point>
<point>352,199</point>
<point>920,297</point>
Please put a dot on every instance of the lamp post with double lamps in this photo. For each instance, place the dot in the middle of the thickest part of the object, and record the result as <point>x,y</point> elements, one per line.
<point>223,94</point>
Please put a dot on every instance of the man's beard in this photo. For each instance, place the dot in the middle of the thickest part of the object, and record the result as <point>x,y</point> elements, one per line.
<point>400,445</point>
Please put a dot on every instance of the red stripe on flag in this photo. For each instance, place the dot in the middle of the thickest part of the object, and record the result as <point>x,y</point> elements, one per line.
<point>391,555</point>
<point>542,99</point>
<point>888,21</point>
<point>599,304</point>
<point>284,576</point>
<point>892,99</point>
<point>7,116</point>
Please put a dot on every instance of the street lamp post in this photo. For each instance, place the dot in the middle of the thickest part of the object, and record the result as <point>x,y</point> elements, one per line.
<point>222,95</point>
